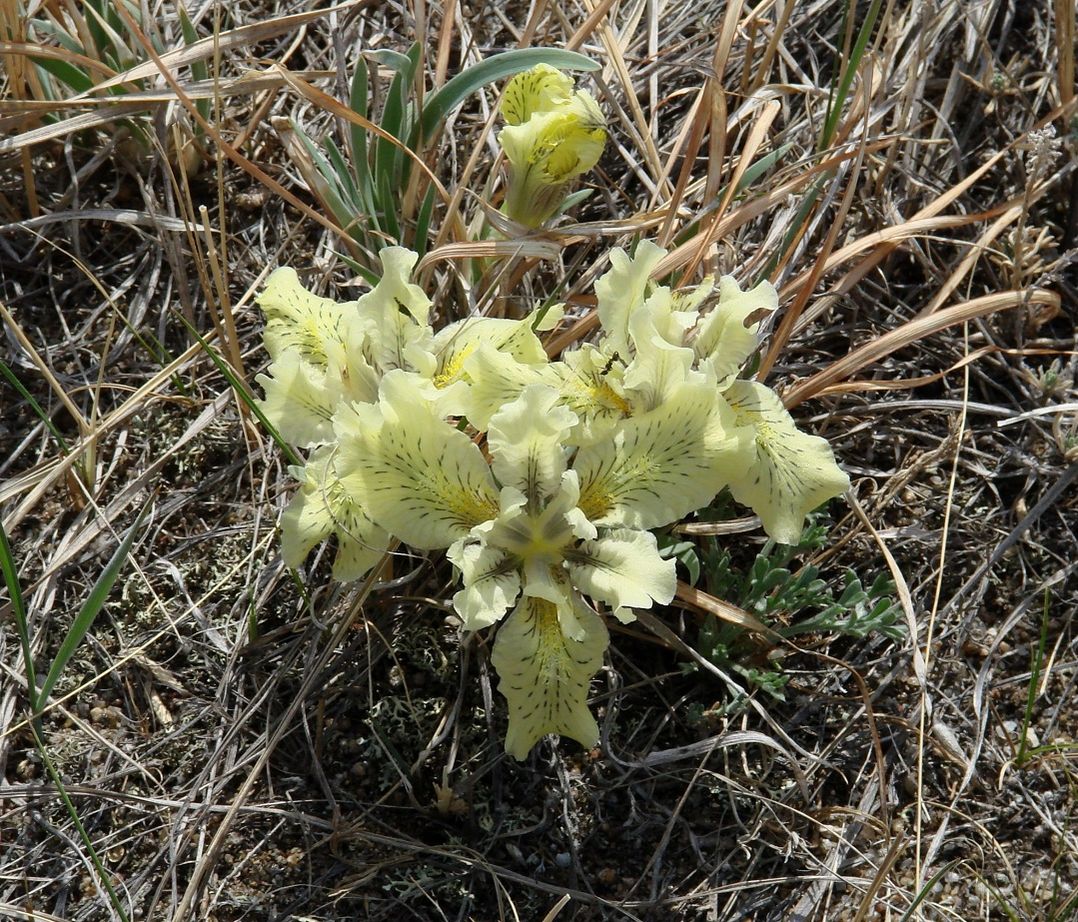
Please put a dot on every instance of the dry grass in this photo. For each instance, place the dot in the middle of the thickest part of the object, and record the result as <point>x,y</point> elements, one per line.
<point>242,745</point>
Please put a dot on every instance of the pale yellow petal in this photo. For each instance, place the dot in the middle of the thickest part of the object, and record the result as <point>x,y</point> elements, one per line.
<point>723,342</point>
<point>496,379</point>
<point>661,363</point>
<point>661,465</point>
<point>623,568</point>
<point>544,675</point>
<point>298,402</point>
<point>592,386</point>
<point>539,89</point>
<point>788,473</point>
<point>560,144</point>
<point>491,583</point>
<point>527,439</point>
<point>550,581</point>
<point>621,291</point>
<point>323,507</point>
<point>415,474</point>
<point>453,344</point>
<point>546,152</point>
<point>302,322</point>
<point>393,315</point>
<point>396,288</point>
<point>350,377</point>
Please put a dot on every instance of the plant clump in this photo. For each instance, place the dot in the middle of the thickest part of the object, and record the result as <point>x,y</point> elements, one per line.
<point>542,480</point>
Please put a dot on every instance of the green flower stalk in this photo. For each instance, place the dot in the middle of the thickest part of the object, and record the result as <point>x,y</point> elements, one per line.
<point>552,135</point>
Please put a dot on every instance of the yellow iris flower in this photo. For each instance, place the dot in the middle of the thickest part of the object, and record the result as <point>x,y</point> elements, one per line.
<point>552,135</point>
<point>584,456</point>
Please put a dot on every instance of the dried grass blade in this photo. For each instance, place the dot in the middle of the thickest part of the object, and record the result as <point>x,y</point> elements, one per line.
<point>939,204</point>
<point>485,249</point>
<point>920,669</point>
<point>46,373</point>
<point>616,55</point>
<point>887,239</point>
<point>789,320</point>
<point>225,41</point>
<point>717,108</point>
<point>588,26</point>
<point>752,209</point>
<point>685,147</point>
<point>970,260</point>
<point>703,601</point>
<point>756,138</point>
<point>1064,36</point>
<point>35,50</point>
<point>911,332</point>
<point>905,384</point>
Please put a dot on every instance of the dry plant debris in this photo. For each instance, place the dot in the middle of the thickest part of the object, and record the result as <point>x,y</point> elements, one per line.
<point>236,743</point>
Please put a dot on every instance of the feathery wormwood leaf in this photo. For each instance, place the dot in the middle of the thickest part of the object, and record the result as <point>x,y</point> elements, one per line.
<point>771,589</point>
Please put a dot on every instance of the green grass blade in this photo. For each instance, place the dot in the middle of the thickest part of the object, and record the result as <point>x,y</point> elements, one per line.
<point>43,27</point>
<point>95,859</point>
<point>927,888</point>
<point>357,99</point>
<point>68,74</point>
<point>497,67</point>
<point>343,175</point>
<point>199,70</point>
<point>394,60</point>
<point>18,612</point>
<point>575,198</point>
<point>90,609</point>
<point>98,33</point>
<point>838,99</point>
<point>388,213</point>
<point>761,166</point>
<point>109,34</point>
<point>370,277</point>
<point>388,158</point>
<point>808,203</point>
<point>422,223</point>
<point>240,387</point>
<point>329,189</point>
<point>34,405</point>
<point>1034,680</point>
